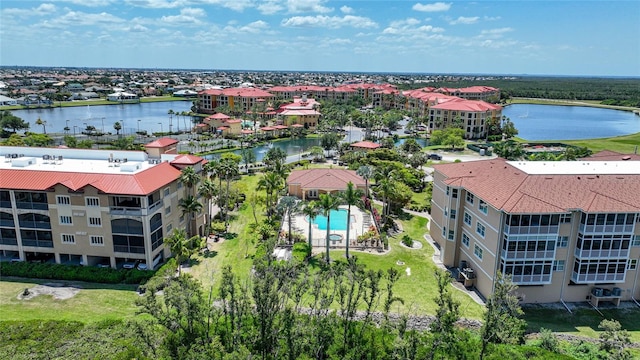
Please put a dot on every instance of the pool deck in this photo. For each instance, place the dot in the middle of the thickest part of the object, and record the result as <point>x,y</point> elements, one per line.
<point>360,223</point>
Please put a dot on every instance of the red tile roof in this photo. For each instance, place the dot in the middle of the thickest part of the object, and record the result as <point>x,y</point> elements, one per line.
<point>467,105</point>
<point>325,179</point>
<point>186,160</point>
<point>141,183</point>
<point>507,188</point>
<point>162,142</point>
<point>220,116</point>
<point>607,155</point>
<point>365,145</point>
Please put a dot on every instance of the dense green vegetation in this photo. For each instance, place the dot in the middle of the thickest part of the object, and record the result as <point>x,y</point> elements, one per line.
<point>75,273</point>
<point>610,91</point>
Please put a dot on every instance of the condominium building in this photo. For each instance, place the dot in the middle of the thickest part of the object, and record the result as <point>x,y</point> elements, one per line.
<point>92,207</point>
<point>474,116</point>
<point>565,231</point>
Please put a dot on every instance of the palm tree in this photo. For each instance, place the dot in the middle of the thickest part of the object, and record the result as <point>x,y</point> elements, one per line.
<point>43,124</point>
<point>182,247</point>
<point>117,127</point>
<point>351,196</point>
<point>270,182</point>
<point>310,210</point>
<point>208,191</point>
<point>190,206</point>
<point>327,203</point>
<point>289,206</point>
<point>229,169</point>
<point>189,178</point>
<point>366,172</point>
<point>170,113</point>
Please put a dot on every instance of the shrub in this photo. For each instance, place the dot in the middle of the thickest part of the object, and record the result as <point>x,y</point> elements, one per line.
<point>407,240</point>
<point>300,251</point>
<point>75,273</point>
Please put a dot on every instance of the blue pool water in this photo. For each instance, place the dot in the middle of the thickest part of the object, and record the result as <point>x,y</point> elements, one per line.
<point>337,218</point>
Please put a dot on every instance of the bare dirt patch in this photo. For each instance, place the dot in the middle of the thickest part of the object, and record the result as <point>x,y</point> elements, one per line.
<point>58,291</point>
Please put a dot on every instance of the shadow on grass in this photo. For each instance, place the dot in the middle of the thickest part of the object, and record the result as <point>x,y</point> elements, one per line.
<point>560,320</point>
<point>405,216</point>
<point>81,284</point>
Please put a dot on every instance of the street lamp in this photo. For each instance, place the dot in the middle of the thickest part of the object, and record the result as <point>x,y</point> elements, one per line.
<point>161,130</point>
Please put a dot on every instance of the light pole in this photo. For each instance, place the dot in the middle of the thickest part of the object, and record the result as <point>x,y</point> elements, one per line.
<point>102,125</point>
<point>74,130</point>
<point>138,126</point>
<point>161,130</point>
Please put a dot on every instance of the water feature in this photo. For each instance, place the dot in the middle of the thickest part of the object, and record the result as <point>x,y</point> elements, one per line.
<point>337,220</point>
<point>291,147</point>
<point>102,117</point>
<point>421,141</point>
<point>552,122</point>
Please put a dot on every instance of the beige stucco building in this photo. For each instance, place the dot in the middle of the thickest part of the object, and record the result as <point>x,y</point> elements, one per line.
<point>91,207</point>
<point>565,231</point>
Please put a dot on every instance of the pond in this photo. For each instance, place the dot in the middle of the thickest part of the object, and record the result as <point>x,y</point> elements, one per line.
<point>421,141</point>
<point>291,147</point>
<point>153,117</point>
<point>553,122</point>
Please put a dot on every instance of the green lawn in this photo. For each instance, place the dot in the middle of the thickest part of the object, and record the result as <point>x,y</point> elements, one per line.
<point>94,302</point>
<point>583,322</point>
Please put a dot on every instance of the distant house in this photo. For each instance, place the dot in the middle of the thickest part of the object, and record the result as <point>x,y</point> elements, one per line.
<point>122,96</point>
<point>309,184</point>
<point>5,101</point>
<point>185,93</point>
<point>302,111</point>
<point>365,145</point>
<point>223,124</point>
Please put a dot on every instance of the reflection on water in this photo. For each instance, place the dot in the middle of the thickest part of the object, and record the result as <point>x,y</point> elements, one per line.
<point>289,146</point>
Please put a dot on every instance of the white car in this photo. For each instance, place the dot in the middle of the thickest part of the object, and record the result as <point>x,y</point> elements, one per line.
<point>129,265</point>
<point>142,266</point>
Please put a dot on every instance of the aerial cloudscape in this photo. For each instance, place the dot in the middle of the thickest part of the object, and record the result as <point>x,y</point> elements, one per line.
<point>597,38</point>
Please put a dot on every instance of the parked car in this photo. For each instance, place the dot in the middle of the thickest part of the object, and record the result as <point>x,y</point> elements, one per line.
<point>142,266</point>
<point>435,157</point>
<point>129,264</point>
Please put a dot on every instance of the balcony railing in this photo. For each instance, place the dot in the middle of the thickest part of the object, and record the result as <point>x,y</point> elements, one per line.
<point>8,241</point>
<point>32,205</point>
<point>540,229</point>
<point>588,229</point>
<point>35,224</point>
<point>37,243</point>
<point>597,278</point>
<point>121,210</point>
<point>129,249</point>
<point>602,254</point>
<point>531,279</point>
<point>154,206</point>
<point>548,254</point>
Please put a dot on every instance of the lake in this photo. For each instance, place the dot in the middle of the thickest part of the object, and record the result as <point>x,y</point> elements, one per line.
<point>553,122</point>
<point>151,116</point>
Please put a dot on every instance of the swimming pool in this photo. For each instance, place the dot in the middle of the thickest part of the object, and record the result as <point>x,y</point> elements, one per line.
<point>338,219</point>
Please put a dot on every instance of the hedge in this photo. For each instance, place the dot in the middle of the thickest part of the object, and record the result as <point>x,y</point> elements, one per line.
<point>75,273</point>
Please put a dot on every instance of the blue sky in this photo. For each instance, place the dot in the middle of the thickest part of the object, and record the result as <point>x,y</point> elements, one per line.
<point>487,37</point>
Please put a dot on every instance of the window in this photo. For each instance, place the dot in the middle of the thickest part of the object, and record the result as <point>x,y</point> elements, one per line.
<point>467,219</point>
<point>66,220</point>
<point>167,191</point>
<point>452,234</point>
<point>477,251</point>
<point>563,241</point>
<point>169,228</point>
<point>446,211</point>
<point>454,193</point>
<point>95,221</point>
<point>483,206</point>
<point>448,191</point>
<point>444,231</point>
<point>465,240</point>
<point>96,240</point>
<point>63,200</point>
<point>181,218</point>
<point>632,264</point>
<point>558,265</point>
<point>565,218</point>
<point>92,201</point>
<point>453,214</point>
<point>179,185</point>
<point>167,210</point>
<point>470,198</point>
<point>480,229</point>
<point>68,239</point>
<point>636,240</point>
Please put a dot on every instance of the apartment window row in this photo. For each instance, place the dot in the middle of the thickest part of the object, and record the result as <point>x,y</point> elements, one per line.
<point>95,221</point>
<point>63,200</point>
<point>465,239</point>
<point>600,266</point>
<point>529,267</point>
<point>603,242</point>
<point>536,220</point>
<point>94,240</point>
<point>531,245</point>
<point>608,219</point>
<point>66,220</point>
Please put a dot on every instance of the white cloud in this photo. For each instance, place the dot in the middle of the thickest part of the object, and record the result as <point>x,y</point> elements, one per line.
<point>346,10</point>
<point>332,22</point>
<point>408,27</point>
<point>492,18</point>
<point>301,6</point>
<point>90,3</point>
<point>270,7</point>
<point>256,27</point>
<point>187,16</point>
<point>465,20</point>
<point>495,33</point>
<point>79,18</point>
<point>155,4</point>
<point>43,9</point>
<point>434,7</point>
<point>137,28</point>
